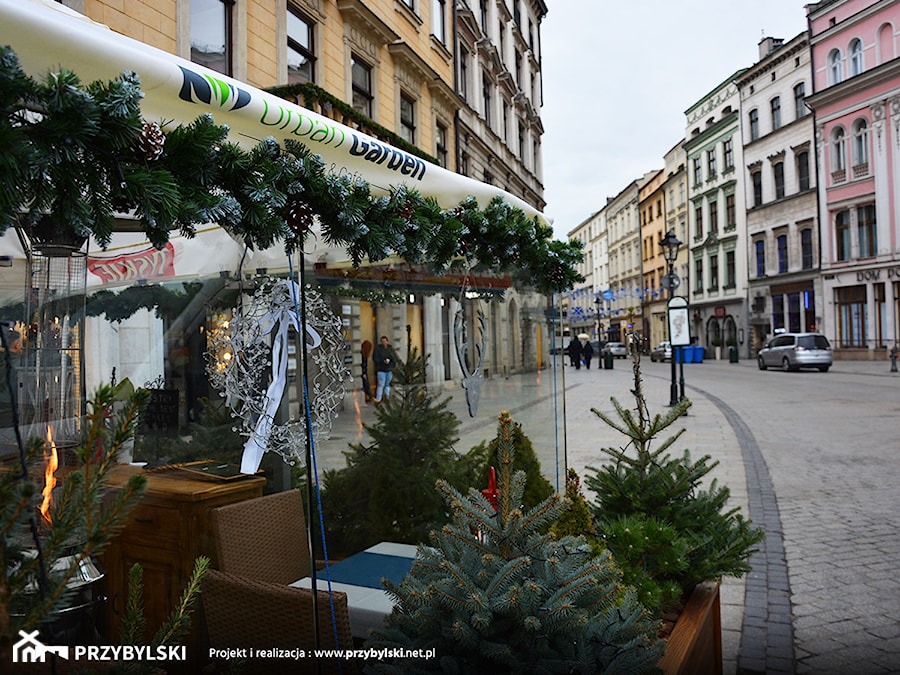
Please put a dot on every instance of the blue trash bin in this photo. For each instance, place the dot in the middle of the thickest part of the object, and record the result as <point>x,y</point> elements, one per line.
<point>699,353</point>
<point>688,354</point>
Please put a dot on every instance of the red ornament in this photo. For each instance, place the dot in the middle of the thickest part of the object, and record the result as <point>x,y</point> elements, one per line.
<point>490,492</point>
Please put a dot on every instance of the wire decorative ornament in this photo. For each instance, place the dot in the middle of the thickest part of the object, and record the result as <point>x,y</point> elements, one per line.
<point>254,378</point>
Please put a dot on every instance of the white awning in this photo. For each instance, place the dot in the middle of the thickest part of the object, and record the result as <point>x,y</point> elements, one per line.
<point>46,36</point>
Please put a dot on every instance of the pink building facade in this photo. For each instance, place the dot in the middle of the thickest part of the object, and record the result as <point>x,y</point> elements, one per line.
<point>856,99</point>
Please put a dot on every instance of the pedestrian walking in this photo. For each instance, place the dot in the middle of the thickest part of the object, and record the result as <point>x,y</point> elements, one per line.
<point>384,358</point>
<point>574,351</point>
<point>587,353</point>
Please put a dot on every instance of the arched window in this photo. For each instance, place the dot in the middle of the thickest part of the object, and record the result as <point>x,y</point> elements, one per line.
<point>835,69</point>
<point>856,57</point>
<point>860,143</point>
<point>839,156</point>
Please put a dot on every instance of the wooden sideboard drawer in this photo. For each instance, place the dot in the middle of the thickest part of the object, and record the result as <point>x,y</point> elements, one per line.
<point>151,525</point>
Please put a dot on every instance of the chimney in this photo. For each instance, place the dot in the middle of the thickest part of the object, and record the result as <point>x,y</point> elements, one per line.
<point>768,45</point>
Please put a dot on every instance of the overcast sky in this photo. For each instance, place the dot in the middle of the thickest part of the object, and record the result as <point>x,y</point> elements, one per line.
<point>618,77</point>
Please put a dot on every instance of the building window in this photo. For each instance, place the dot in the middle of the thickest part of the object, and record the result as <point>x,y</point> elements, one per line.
<point>728,152</point>
<point>778,173</point>
<point>778,311</point>
<point>698,220</point>
<point>362,85</point>
<point>730,270</point>
<point>856,57</point>
<point>522,142</point>
<point>698,171</point>
<point>865,229</point>
<point>800,100</point>
<point>776,113</point>
<point>713,273</point>
<point>505,122</point>
<point>835,69</point>
<point>851,311</point>
<point>806,248</point>
<point>519,78</point>
<point>407,119</point>
<point>439,20</point>
<point>464,73</point>
<point>301,55</point>
<point>754,124</point>
<point>441,150</point>
<point>860,147</point>
<point>781,245</point>
<point>486,100</point>
<point>211,30</point>
<point>483,5</point>
<point>711,162</point>
<point>842,234</point>
<point>411,4</point>
<point>698,275</point>
<point>838,156</point>
<point>714,216</point>
<point>760,258</point>
<point>803,170</point>
<point>730,220</point>
<point>756,178</point>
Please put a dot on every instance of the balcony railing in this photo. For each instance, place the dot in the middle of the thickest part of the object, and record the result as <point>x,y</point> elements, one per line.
<point>861,170</point>
<point>839,176</point>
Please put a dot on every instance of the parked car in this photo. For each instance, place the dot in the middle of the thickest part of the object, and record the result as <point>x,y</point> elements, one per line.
<point>617,349</point>
<point>662,352</point>
<point>792,351</point>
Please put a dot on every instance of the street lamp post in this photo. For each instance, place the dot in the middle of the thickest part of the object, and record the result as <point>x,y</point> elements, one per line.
<point>670,246</point>
<point>597,308</point>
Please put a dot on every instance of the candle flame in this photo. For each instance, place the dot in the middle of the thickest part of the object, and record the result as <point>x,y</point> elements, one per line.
<point>52,464</point>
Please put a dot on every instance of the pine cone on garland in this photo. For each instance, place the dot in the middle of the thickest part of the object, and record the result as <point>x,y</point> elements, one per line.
<point>299,217</point>
<point>152,141</point>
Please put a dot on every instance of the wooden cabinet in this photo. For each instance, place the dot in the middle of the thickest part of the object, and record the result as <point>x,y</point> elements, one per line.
<point>165,532</point>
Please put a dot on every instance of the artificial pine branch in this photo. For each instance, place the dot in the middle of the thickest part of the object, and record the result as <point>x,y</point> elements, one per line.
<point>75,156</point>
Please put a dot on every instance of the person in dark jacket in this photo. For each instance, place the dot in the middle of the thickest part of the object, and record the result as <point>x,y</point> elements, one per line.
<point>587,353</point>
<point>384,358</point>
<point>574,350</point>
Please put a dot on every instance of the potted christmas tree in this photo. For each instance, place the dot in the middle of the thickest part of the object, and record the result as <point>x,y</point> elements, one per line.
<point>494,592</point>
<point>672,533</point>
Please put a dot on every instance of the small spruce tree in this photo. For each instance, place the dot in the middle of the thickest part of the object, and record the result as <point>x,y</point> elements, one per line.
<point>666,529</point>
<point>386,491</point>
<point>485,455</point>
<point>493,594</point>
<point>576,519</point>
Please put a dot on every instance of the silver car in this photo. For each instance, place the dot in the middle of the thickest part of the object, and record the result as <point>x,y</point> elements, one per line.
<point>617,349</point>
<point>792,351</point>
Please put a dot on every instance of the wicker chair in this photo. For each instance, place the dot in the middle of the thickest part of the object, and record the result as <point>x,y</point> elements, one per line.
<point>263,539</point>
<point>243,613</point>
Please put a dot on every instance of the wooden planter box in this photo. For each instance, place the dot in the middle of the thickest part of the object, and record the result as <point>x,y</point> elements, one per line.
<point>695,645</point>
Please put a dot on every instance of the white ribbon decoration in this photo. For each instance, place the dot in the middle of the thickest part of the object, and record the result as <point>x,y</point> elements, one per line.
<point>275,323</point>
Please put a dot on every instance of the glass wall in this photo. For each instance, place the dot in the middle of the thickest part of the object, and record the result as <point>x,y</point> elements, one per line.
<point>161,318</point>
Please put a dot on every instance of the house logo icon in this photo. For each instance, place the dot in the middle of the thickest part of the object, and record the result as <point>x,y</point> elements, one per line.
<point>31,650</point>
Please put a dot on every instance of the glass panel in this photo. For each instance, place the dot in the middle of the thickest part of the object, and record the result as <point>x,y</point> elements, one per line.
<point>158,318</point>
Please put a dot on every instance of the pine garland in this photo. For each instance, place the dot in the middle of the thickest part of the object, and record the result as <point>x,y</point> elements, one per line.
<point>75,155</point>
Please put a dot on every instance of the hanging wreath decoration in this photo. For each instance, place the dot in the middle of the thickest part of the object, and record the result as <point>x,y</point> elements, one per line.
<point>254,378</point>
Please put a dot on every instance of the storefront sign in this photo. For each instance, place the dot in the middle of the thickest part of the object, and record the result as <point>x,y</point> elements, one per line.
<point>150,264</point>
